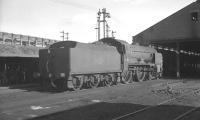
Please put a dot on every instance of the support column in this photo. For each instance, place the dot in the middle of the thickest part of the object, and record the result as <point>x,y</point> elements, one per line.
<point>3,36</point>
<point>12,39</point>
<point>178,60</point>
<point>28,40</point>
<point>42,42</point>
<point>36,39</point>
<point>20,37</point>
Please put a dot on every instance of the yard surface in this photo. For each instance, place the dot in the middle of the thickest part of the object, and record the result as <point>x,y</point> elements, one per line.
<point>166,99</point>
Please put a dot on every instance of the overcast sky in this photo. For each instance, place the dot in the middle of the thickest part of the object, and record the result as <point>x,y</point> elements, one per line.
<point>47,18</point>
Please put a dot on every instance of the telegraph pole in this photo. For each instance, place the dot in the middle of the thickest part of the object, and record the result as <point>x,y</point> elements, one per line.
<point>99,21</point>
<point>105,25</point>
<point>107,30</point>
<point>105,15</point>
<point>104,21</point>
<point>113,32</point>
<point>67,35</point>
<point>63,35</point>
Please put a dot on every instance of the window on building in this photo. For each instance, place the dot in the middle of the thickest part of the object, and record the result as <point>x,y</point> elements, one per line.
<point>194,16</point>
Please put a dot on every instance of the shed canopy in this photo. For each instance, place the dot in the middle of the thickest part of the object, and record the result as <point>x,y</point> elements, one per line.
<point>18,51</point>
<point>183,25</point>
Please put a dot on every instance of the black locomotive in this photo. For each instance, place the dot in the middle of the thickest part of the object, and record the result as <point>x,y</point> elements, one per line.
<point>74,65</point>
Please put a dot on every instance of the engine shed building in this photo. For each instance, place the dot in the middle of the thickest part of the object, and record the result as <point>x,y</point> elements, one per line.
<point>177,37</point>
<point>19,58</point>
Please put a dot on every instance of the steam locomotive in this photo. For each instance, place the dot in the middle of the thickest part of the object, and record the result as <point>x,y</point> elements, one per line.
<point>73,65</point>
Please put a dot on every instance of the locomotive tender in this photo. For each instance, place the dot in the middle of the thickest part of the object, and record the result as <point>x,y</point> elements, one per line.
<point>74,65</point>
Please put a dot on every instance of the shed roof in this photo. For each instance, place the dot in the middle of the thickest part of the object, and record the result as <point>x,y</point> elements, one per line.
<point>183,25</point>
<point>18,51</point>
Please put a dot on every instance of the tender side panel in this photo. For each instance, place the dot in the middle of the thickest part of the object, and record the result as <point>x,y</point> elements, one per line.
<point>95,59</point>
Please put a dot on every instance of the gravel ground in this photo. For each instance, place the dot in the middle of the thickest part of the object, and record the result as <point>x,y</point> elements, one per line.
<point>104,103</point>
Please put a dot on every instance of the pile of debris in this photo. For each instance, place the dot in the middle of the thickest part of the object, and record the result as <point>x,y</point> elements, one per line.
<point>170,89</point>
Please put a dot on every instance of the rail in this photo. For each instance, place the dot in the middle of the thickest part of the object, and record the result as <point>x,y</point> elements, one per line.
<point>122,117</point>
<point>186,113</point>
<point>24,40</point>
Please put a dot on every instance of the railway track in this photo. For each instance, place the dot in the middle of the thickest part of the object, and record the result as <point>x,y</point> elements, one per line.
<point>182,116</point>
<point>179,117</point>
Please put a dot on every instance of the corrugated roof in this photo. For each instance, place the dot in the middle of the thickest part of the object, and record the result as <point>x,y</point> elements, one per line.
<point>18,51</point>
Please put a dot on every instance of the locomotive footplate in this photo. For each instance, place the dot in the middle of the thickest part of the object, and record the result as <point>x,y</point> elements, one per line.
<point>143,68</point>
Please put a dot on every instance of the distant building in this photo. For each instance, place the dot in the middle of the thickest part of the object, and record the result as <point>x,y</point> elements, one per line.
<point>19,58</point>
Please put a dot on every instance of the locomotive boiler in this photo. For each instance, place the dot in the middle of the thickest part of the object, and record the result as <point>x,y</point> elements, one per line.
<point>74,65</point>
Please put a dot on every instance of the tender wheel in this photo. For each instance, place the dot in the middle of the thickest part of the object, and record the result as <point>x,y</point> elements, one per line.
<point>86,82</point>
<point>114,79</point>
<point>45,84</point>
<point>140,75</point>
<point>127,77</point>
<point>94,81</point>
<point>77,83</point>
<point>108,80</point>
<point>58,84</point>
